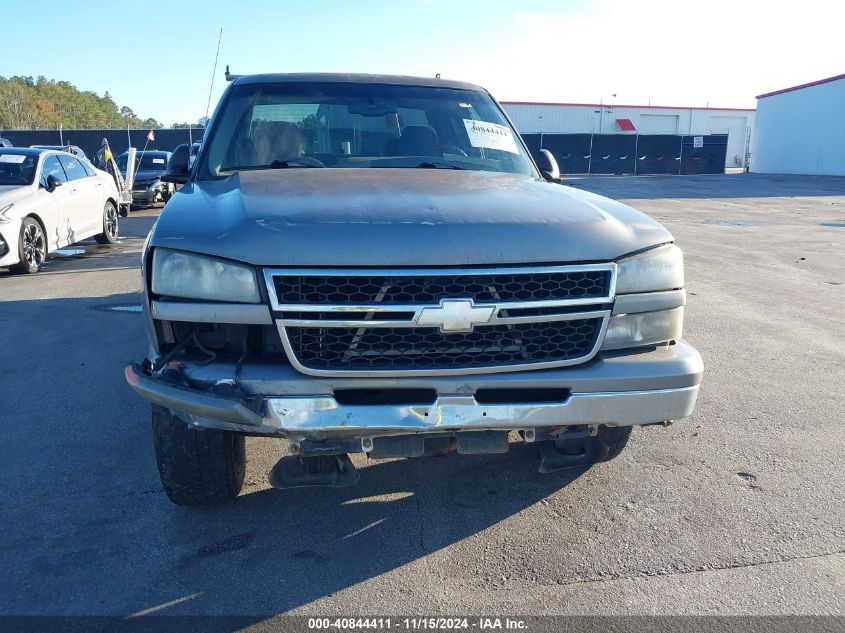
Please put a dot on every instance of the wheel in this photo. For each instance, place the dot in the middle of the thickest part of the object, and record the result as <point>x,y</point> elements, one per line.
<point>110,225</point>
<point>32,247</point>
<point>166,194</point>
<point>197,467</point>
<point>607,444</point>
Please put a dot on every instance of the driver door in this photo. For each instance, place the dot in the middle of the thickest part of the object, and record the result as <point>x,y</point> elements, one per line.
<point>49,202</point>
<point>83,211</point>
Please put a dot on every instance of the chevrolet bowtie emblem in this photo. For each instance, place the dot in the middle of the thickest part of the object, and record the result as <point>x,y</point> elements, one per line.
<point>456,315</point>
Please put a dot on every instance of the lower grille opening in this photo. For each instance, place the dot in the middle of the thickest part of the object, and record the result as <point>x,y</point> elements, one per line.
<point>428,348</point>
<point>385,396</point>
<point>497,395</point>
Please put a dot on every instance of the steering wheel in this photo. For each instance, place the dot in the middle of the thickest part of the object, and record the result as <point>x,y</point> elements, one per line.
<point>453,149</point>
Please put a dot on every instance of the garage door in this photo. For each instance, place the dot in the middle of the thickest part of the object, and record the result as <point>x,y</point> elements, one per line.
<point>658,124</point>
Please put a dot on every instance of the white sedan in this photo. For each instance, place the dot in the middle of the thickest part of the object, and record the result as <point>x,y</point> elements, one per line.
<point>49,199</point>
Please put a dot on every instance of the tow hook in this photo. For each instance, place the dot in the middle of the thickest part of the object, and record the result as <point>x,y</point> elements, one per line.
<point>295,471</point>
<point>572,432</point>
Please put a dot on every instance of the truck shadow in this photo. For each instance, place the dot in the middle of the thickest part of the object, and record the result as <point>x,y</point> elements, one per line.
<point>294,547</point>
<point>93,524</point>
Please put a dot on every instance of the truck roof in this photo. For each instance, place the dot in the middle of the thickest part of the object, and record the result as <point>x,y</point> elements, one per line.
<point>354,78</point>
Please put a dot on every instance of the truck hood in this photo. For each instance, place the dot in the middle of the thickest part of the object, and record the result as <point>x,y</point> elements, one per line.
<point>399,217</point>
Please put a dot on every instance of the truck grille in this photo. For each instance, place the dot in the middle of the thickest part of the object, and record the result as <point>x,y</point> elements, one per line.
<point>440,321</point>
<point>428,348</point>
<point>429,289</point>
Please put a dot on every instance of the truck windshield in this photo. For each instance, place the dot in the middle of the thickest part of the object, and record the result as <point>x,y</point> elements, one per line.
<point>144,161</point>
<point>342,125</point>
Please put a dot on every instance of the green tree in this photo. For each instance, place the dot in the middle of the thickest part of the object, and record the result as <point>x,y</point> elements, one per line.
<point>33,103</point>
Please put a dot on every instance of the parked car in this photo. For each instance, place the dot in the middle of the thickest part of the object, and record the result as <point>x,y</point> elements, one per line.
<point>4,142</point>
<point>148,188</point>
<point>49,199</point>
<point>376,264</point>
<point>72,149</point>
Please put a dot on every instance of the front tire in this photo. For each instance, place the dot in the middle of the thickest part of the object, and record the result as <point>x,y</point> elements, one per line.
<point>32,247</point>
<point>197,467</point>
<point>110,224</point>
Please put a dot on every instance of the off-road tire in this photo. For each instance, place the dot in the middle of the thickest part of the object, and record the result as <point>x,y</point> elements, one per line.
<point>111,224</point>
<point>616,438</point>
<point>197,467</point>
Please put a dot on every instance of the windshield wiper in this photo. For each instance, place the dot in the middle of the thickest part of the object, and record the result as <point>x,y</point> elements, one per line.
<point>276,164</point>
<point>434,164</point>
<point>285,164</point>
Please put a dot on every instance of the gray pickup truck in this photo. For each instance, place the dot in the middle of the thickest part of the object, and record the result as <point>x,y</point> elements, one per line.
<point>376,264</point>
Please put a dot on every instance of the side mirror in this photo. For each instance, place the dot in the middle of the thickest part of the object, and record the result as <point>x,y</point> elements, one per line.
<point>548,166</point>
<point>177,166</point>
<point>53,182</point>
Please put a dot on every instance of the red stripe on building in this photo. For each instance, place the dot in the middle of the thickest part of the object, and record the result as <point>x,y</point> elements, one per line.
<point>801,87</point>
<point>619,105</point>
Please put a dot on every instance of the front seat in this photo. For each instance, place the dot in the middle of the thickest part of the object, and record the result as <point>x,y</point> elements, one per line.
<point>416,140</point>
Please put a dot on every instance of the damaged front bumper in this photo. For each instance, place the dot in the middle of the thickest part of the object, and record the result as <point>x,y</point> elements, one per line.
<point>616,389</point>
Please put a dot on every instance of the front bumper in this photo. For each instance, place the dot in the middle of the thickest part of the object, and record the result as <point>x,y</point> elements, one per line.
<point>9,233</point>
<point>144,196</point>
<point>617,389</point>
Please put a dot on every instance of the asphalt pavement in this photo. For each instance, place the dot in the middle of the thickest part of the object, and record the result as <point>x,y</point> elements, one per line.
<point>739,509</point>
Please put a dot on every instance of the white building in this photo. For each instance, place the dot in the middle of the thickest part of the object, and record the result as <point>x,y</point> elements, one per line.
<point>801,130</point>
<point>587,118</point>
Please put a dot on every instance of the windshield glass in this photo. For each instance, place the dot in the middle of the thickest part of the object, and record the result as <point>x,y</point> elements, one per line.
<point>17,169</point>
<point>144,162</point>
<point>264,126</point>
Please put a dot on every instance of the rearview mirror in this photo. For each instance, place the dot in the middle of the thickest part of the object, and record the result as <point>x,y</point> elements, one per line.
<point>548,166</point>
<point>177,166</point>
<point>372,107</point>
<point>53,182</point>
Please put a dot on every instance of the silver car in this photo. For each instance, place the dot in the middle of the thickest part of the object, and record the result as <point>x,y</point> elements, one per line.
<point>376,264</point>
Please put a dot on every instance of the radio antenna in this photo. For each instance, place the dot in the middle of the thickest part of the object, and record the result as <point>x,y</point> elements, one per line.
<point>213,73</point>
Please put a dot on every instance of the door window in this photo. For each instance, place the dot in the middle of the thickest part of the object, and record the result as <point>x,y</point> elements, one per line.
<point>73,168</point>
<point>52,167</point>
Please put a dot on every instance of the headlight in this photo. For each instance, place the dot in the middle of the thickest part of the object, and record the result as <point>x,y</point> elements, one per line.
<point>179,274</point>
<point>646,328</point>
<point>3,211</point>
<point>661,268</point>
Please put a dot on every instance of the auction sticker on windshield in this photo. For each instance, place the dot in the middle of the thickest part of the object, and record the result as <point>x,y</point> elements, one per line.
<point>12,158</point>
<point>490,136</point>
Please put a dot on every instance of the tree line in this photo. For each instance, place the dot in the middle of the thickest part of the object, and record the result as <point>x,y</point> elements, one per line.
<point>28,103</point>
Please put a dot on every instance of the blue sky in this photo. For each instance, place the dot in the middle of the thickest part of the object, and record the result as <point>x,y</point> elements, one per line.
<point>660,51</point>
